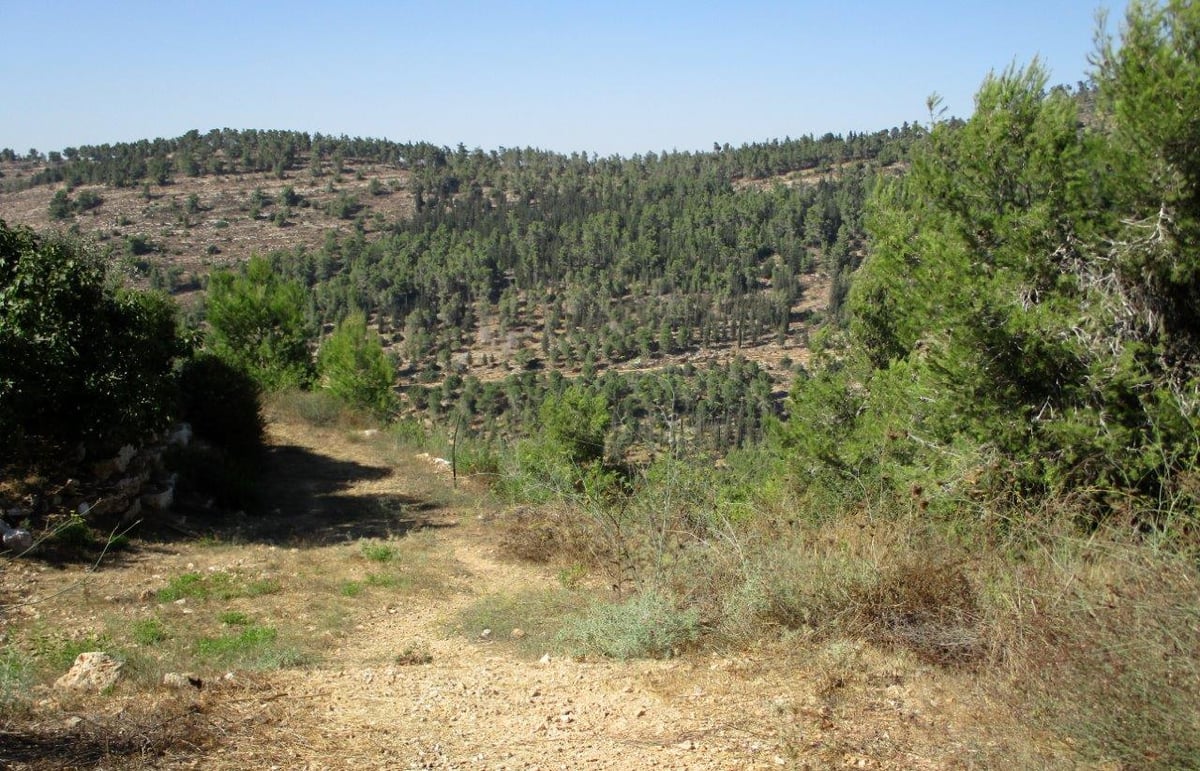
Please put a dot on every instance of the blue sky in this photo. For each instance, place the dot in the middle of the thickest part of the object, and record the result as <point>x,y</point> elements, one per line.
<point>615,77</point>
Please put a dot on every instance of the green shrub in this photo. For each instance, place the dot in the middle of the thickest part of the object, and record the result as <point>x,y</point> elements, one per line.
<point>378,552</point>
<point>222,404</point>
<point>16,677</point>
<point>79,360</point>
<point>576,422</point>
<point>257,324</point>
<point>354,367</point>
<point>648,625</point>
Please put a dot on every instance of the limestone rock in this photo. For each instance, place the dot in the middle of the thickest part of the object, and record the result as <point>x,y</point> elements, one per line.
<point>92,671</point>
<point>182,680</point>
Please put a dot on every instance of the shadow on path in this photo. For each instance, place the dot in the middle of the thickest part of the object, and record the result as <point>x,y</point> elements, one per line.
<point>306,500</point>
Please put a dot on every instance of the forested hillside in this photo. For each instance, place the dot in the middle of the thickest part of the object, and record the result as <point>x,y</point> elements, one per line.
<point>931,392</point>
<point>687,283</point>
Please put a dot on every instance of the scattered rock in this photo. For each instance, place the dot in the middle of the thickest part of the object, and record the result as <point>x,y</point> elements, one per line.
<point>517,633</point>
<point>160,500</point>
<point>17,539</point>
<point>486,634</point>
<point>92,671</point>
<point>182,680</point>
<point>124,455</point>
<point>544,659</point>
<point>181,436</point>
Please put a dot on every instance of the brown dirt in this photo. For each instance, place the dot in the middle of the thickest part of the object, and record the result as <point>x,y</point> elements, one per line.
<point>223,220</point>
<point>488,703</point>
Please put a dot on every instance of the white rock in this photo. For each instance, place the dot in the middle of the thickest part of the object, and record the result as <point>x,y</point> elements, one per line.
<point>92,671</point>
<point>124,455</point>
<point>159,501</point>
<point>181,680</point>
<point>181,435</point>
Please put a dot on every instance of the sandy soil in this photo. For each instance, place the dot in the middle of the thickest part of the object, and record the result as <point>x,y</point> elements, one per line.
<point>478,701</point>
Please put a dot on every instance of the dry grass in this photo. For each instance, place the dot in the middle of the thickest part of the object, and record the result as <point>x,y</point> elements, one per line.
<point>1100,638</point>
<point>548,534</point>
<point>224,222</point>
<point>1094,643</point>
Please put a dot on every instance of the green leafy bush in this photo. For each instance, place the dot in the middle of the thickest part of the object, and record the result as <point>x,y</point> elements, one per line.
<point>79,360</point>
<point>222,404</point>
<point>648,625</point>
<point>354,367</point>
<point>575,422</point>
<point>256,323</point>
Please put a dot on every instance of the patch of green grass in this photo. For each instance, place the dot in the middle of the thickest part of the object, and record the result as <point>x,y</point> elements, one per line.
<point>319,408</point>
<point>539,614</point>
<point>219,585</point>
<point>16,677</point>
<point>379,552</point>
<point>571,577</point>
<point>250,637</point>
<point>186,585</point>
<point>647,625</point>
<point>148,631</point>
<point>56,654</point>
<point>350,588</point>
<point>258,588</point>
<point>234,618</point>
<point>252,646</point>
<point>388,581</point>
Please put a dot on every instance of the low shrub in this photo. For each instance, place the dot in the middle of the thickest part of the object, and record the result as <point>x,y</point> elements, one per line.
<point>648,625</point>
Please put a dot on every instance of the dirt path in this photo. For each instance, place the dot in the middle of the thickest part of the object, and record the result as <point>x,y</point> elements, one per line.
<point>407,680</point>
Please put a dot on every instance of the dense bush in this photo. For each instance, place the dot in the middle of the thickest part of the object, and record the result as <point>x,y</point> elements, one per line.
<point>1024,325</point>
<point>222,404</point>
<point>79,360</point>
<point>257,324</point>
<point>354,367</point>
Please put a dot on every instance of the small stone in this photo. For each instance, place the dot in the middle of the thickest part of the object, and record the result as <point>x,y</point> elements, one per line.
<point>486,634</point>
<point>517,633</point>
<point>182,680</point>
<point>544,659</point>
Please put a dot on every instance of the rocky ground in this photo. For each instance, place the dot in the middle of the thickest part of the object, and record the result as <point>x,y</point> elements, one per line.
<point>405,675</point>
